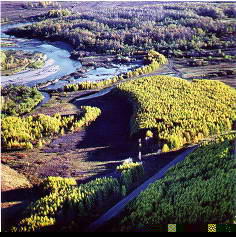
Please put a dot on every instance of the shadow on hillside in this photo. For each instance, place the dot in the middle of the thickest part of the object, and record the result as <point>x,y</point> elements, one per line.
<point>18,194</point>
<point>111,130</point>
<point>14,202</point>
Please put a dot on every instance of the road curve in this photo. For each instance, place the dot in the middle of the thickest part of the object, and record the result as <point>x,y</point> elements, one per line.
<point>114,211</point>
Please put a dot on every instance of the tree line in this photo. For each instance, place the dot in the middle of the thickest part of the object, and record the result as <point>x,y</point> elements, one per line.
<point>32,131</point>
<point>64,199</point>
<point>165,28</point>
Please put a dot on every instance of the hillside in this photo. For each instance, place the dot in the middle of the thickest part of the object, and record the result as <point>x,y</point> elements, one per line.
<point>12,180</point>
<point>201,189</point>
<point>178,112</point>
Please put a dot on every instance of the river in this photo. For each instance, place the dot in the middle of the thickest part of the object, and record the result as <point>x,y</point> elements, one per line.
<point>59,54</point>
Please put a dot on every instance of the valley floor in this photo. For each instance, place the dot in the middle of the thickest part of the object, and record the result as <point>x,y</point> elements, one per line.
<point>88,153</point>
<point>84,155</point>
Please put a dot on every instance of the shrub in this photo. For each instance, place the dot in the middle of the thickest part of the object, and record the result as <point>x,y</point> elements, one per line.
<point>165,148</point>
<point>149,133</point>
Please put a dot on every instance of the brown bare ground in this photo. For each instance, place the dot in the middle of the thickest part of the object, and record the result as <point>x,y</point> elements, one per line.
<point>12,179</point>
<point>202,72</point>
<point>88,153</point>
<point>60,103</point>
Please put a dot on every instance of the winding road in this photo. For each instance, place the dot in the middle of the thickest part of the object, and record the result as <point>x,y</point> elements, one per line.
<point>107,139</point>
<point>114,211</point>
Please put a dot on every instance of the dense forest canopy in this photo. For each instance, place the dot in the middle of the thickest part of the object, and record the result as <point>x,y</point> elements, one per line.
<point>177,111</point>
<point>172,29</point>
<point>201,189</point>
<point>63,196</point>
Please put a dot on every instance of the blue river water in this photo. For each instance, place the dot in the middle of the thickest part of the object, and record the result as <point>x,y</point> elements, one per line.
<point>60,53</point>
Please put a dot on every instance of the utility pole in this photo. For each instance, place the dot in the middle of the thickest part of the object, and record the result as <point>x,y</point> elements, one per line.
<point>140,150</point>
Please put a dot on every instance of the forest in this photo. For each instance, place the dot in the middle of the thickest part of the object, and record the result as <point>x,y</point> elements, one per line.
<point>83,152</point>
<point>179,196</point>
<point>179,112</point>
<point>172,29</point>
<point>19,100</point>
<point>162,202</point>
<point>30,131</point>
<point>64,199</point>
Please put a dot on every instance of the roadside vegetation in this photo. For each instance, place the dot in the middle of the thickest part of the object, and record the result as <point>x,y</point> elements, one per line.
<point>169,113</point>
<point>67,206</point>
<point>179,112</point>
<point>65,198</point>
<point>201,189</point>
<point>13,61</point>
<point>131,174</point>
